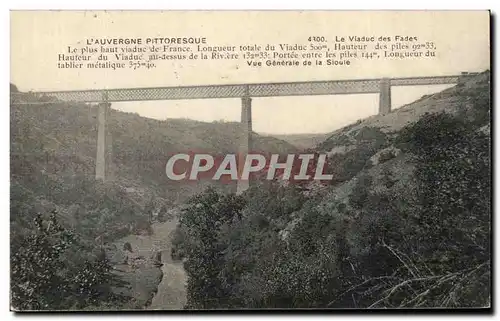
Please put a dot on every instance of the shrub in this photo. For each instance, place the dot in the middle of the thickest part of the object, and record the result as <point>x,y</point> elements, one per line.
<point>434,237</point>
<point>51,269</point>
<point>359,193</point>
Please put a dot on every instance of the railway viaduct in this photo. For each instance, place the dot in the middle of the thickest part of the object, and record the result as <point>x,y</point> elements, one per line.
<point>104,97</point>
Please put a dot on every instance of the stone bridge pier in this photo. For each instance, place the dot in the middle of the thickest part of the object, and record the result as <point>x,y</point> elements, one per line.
<point>103,157</point>
<point>384,106</point>
<point>245,144</point>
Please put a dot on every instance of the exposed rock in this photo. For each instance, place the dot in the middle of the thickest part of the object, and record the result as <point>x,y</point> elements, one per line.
<point>340,150</point>
<point>384,155</point>
<point>485,129</point>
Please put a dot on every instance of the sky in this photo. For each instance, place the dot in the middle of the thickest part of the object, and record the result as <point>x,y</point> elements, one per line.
<point>462,39</point>
<point>321,114</point>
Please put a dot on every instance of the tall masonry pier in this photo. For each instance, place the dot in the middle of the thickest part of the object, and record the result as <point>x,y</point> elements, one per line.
<point>384,106</point>
<point>103,139</point>
<point>245,144</point>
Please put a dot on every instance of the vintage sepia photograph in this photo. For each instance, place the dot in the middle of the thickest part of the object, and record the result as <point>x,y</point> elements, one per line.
<point>250,160</point>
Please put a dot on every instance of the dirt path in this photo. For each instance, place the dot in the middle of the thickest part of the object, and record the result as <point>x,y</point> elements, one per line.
<point>172,289</point>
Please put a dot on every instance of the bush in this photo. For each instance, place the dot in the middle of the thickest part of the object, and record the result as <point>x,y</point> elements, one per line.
<point>359,192</point>
<point>371,134</point>
<point>345,167</point>
<point>52,270</point>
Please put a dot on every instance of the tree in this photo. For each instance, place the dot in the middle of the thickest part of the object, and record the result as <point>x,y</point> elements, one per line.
<point>51,269</point>
<point>202,221</point>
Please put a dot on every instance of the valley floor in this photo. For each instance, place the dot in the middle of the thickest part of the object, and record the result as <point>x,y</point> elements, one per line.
<point>167,292</point>
<point>171,293</point>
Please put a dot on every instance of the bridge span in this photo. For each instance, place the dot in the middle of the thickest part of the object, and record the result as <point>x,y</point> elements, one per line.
<point>104,97</point>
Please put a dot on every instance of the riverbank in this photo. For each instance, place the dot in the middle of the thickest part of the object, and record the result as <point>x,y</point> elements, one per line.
<point>171,293</point>
<point>155,281</point>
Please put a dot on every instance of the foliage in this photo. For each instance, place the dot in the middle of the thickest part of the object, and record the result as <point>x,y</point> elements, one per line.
<point>421,242</point>
<point>92,209</point>
<point>345,166</point>
<point>52,269</point>
<point>454,176</point>
<point>203,218</point>
<point>231,251</point>
<point>433,240</point>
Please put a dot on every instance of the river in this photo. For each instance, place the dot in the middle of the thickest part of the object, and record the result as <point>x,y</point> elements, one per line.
<point>171,293</point>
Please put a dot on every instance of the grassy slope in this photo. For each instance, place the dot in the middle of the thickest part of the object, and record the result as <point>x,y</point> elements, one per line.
<point>60,140</point>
